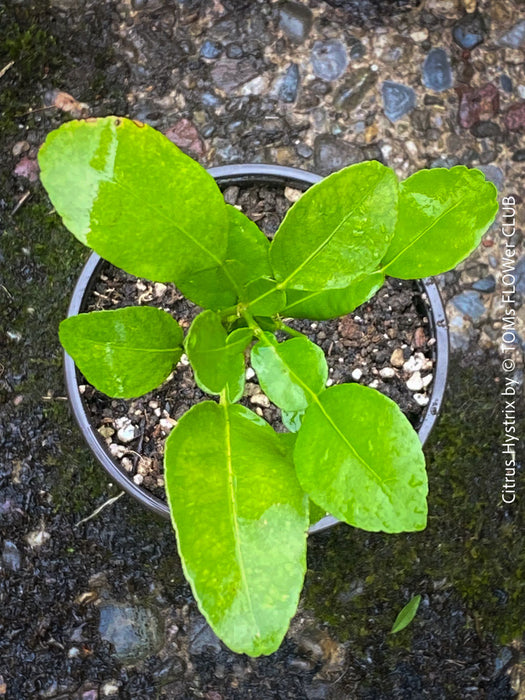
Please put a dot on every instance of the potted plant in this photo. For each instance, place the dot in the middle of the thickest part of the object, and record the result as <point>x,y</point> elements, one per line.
<point>239,493</point>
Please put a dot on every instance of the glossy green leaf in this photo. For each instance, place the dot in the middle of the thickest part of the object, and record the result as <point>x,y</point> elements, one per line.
<point>316,513</point>
<point>442,217</point>
<point>221,285</point>
<point>130,194</point>
<point>292,420</point>
<point>406,615</point>
<point>332,303</point>
<point>265,299</point>
<point>338,230</point>
<point>241,521</point>
<point>358,457</point>
<point>217,363</point>
<point>124,352</point>
<point>290,372</point>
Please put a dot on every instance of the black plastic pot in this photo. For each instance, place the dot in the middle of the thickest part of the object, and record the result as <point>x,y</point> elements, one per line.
<point>245,175</point>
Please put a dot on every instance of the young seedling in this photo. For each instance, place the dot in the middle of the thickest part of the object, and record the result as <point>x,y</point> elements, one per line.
<point>239,493</point>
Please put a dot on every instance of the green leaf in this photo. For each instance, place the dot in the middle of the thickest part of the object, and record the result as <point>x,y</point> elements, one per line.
<point>217,363</point>
<point>292,420</point>
<point>248,244</point>
<point>358,457</point>
<point>338,230</point>
<point>129,193</point>
<point>124,352</point>
<point>316,513</point>
<point>241,521</point>
<point>406,615</point>
<point>332,303</point>
<point>221,285</point>
<point>442,217</point>
<point>265,299</point>
<point>289,373</point>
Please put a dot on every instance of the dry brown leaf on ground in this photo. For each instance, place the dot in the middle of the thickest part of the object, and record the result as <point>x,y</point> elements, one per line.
<point>66,103</point>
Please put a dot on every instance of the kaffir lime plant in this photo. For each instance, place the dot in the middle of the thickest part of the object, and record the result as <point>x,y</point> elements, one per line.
<point>239,493</point>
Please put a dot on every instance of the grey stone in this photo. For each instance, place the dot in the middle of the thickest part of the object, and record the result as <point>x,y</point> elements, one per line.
<point>486,285</point>
<point>515,37</point>
<point>485,129</point>
<point>503,658</point>
<point>329,59</point>
<point>10,556</point>
<point>290,84</point>
<point>211,49</point>
<point>228,74</point>
<point>202,637</point>
<point>134,632</point>
<point>331,154</point>
<point>505,82</point>
<point>470,304</point>
<point>354,89</point>
<point>295,20</point>
<point>470,30</point>
<point>437,73</point>
<point>494,174</point>
<point>398,100</point>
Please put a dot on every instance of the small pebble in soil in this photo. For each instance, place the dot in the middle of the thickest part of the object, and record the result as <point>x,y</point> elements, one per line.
<point>470,304</point>
<point>37,538</point>
<point>515,117</point>
<point>126,432</point>
<point>357,374</point>
<point>290,84</point>
<point>494,174</point>
<point>421,399</point>
<point>353,91</point>
<point>515,37</point>
<point>397,359</point>
<point>415,382</point>
<point>398,100</point>
<point>483,130</point>
<point>437,73</point>
<point>329,59</point>
<point>486,285</point>
<point>210,49</point>
<point>387,373</point>
<point>477,104</point>
<point>295,20</point>
<point>332,153</point>
<point>134,632</point>
<point>470,30</point>
<point>506,83</point>
<point>10,556</point>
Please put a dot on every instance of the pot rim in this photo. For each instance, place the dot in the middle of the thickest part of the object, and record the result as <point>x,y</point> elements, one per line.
<point>227,175</point>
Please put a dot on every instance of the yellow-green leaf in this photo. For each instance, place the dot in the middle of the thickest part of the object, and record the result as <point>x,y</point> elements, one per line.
<point>241,520</point>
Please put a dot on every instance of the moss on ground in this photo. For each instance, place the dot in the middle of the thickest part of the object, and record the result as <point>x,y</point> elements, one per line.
<point>472,550</point>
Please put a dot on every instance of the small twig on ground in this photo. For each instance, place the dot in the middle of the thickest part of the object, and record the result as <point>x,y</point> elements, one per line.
<point>6,68</point>
<point>6,290</point>
<point>109,502</point>
<point>22,199</point>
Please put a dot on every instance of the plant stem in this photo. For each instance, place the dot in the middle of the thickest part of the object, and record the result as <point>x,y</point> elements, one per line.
<point>291,331</point>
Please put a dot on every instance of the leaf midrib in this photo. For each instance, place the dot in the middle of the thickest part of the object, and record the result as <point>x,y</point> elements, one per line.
<point>315,398</point>
<point>235,519</point>
<point>121,346</point>
<point>160,214</point>
<point>423,233</point>
<point>316,252</point>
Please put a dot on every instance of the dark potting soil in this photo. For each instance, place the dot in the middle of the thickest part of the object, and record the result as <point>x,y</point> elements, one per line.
<point>385,344</point>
